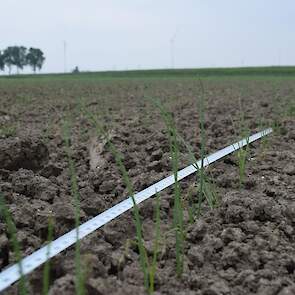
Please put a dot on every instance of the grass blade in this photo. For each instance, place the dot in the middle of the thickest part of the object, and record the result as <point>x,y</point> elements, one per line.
<point>14,242</point>
<point>46,271</point>
<point>153,267</point>
<point>137,220</point>
<point>178,207</point>
<point>79,283</point>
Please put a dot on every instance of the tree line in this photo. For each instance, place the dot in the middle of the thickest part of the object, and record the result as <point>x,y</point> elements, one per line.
<point>20,56</point>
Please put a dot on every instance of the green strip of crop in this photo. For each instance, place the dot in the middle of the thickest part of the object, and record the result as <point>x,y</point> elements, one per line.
<point>137,220</point>
<point>80,282</point>
<point>242,153</point>
<point>178,208</point>
<point>46,271</point>
<point>201,170</point>
<point>14,242</point>
<point>153,267</point>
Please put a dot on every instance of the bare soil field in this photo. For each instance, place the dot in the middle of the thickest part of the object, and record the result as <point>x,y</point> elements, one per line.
<point>246,245</point>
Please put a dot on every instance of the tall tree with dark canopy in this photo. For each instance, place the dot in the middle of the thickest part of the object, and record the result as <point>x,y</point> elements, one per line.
<point>7,58</point>
<point>15,56</point>
<point>35,58</point>
<point>20,55</point>
<point>2,64</point>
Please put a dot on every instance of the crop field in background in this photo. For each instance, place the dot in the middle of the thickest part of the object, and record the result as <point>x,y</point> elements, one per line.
<point>73,145</point>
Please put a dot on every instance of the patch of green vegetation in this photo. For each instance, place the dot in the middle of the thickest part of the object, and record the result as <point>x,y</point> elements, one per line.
<point>46,270</point>
<point>291,109</point>
<point>148,268</point>
<point>80,272</point>
<point>11,229</point>
<point>242,154</point>
<point>265,139</point>
<point>178,224</point>
<point>272,71</point>
<point>153,264</point>
<point>205,188</point>
<point>7,131</point>
<point>47,132</point>
<point>282,107</point>
<point>24,99</point>
<point>242,131</point>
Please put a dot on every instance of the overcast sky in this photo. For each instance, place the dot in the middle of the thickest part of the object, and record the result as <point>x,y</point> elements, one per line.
<point>129,34</point>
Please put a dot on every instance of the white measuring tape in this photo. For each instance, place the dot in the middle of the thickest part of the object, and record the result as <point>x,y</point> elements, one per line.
<point>28,264</point>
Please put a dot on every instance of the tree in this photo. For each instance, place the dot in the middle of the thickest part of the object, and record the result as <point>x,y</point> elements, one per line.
<point>20,57</point>
<point>35,58</point>
<point>2,64</point>
<point>15,56</point>
<point>76,70</point>
<point>7,58</point>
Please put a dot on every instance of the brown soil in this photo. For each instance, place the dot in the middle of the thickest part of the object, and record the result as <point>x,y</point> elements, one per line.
<point>245,246</point>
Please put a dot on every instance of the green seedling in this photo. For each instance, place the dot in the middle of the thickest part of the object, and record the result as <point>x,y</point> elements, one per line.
<point>47,131</point>
<point>190,206</point>
<point>209,192</point>
<point>46,271</point>
<point>24,99</point>
<point>178,206</point>
<point>11,229</point>
<point>7,131</point>
<point>278,112</point>
<point>205,189</point>
<point>153,266</point>
<point>291,111</point>
<point>242,131</point>
<point>276,126</point>
<point>264,140</point>
<point>147,269</point>
<point>202,185</point>
<point>242,154</point>
<point>80,278</point>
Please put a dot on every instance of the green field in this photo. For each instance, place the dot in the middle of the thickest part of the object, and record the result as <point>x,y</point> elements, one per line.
<point>275,71</point>
<point>74,145</point>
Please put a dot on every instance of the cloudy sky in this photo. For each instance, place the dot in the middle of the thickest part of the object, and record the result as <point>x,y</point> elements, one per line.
<point>129,34</point>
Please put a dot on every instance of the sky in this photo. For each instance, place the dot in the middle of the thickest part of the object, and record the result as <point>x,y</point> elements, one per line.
<point>98,35</point>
